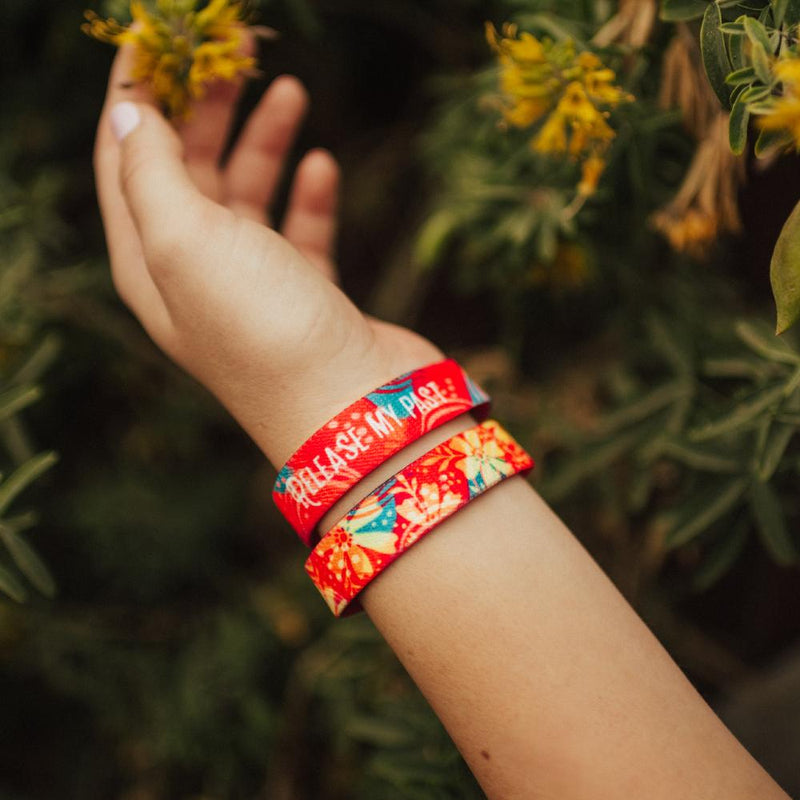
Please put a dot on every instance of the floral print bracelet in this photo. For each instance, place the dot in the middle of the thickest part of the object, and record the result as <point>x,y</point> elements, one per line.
<point>366,434</point>
<point>407,507</point>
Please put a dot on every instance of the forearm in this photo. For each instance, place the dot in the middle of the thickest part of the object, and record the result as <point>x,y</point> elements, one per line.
<point>546,679</point>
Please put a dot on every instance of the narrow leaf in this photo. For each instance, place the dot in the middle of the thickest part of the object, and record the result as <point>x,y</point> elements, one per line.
<point>791,15</point>
<point>763,342</point>
<point>755,94</point>
<point>779,11</point>
<point>736,48</point>
<point>10,585</point>
<point>732,28</point>
<point>705,511</point>
<point>721,558</point>
<point>701,459</point>
<point>740,416</point>
<point>760,59</point>
<point>715,56</point>
<point>23,476</point>
<point>785,272</point>
<point>737,126</point>
<point>15,400</point>
<point>757,34</point>
<point>775,447</point>
<point>771,523</point>
<point>28,561</point>
<point>37,363</point>
<point>643,407</point>
<point>592,460</point>
<point>740,76</point>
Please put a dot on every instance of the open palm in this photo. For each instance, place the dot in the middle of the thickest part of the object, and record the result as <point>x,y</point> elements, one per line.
<point>254,314</point>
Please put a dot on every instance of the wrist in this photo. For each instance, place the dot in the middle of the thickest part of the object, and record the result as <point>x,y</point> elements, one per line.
<point>305,400</point>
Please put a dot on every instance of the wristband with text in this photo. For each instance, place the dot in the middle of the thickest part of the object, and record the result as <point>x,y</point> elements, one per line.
<point>407,507</point>
<point>368,433</point>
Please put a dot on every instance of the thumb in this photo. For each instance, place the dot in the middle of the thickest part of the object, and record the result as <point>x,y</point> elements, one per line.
<point>166,207</point>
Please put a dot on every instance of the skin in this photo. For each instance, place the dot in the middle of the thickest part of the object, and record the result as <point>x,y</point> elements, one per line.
<point>548,682</point>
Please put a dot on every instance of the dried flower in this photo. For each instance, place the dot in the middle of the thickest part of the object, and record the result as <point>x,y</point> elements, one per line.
<point>706,203</point>
<point>567,93</point>
<point>179,49</point>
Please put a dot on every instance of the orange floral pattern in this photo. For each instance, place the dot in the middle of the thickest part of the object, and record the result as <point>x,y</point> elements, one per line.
<point>409,506</point>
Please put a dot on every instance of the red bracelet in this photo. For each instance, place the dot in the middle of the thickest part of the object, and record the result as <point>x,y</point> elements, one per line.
<point>407,507</point>
<point>366,434</point>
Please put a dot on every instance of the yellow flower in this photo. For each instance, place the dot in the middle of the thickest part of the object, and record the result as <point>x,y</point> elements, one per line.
<point>552,138</point>
<point>178,49</point>
<point>591,171</point>
<point>569,94</point>
<point>787,70</point>
<point>785,116</point>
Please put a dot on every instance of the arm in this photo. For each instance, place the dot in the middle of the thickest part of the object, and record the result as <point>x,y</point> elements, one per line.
<point>545,678</point>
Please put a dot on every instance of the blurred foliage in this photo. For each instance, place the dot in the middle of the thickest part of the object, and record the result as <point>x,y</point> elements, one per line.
<point>700,388</point>
<point>186,654</point>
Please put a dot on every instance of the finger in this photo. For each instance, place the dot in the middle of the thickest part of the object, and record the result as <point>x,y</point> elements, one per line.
<point>312,216</point>
<point>255,166</point>
<point>129,272</point>
<point>172,217</point>
<point>205,133</point>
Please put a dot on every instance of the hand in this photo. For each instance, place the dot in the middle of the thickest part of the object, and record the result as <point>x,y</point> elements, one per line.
<point>253,314</point>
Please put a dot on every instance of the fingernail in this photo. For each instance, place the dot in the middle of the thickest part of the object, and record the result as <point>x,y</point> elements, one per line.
<point>124,117</point>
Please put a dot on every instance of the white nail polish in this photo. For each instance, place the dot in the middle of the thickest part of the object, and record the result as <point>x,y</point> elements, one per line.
<point>124,117</point>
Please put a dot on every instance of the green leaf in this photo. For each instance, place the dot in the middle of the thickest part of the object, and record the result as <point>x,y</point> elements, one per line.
<point>704,511</point>
<point>791,15</point>
<point>16,399</point>
<point>770,141</point>
<point>760,61</point>
<point>28,561</point>
<point>763,342</point>
<point>737,126</point>
<point>721,558</point>
<point>746,368</point>
<point>38,362</point>
<point>435,235</point>
<point>774,449</point>
<point>701,459</point>
<point>742,414</point>
<point>740,76</point>
<point>778,11</point>
<point>675,349</point>
<point>23,476</point>
<point>10,585</point>
<point>771,523</point>
<point>643,407</point>
<point>732,28</point>
<point>785,273</point>
<point>715,56</point>
<point>378,732</point>
<point>757,34</point>
<point>736,48</point>
<point>755,94</point>
<point>591,460</point>
<point>682,10</point>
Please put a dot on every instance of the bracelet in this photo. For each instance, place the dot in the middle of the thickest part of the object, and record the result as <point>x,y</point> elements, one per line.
<point>366,434</point>
<point>407,507</point>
